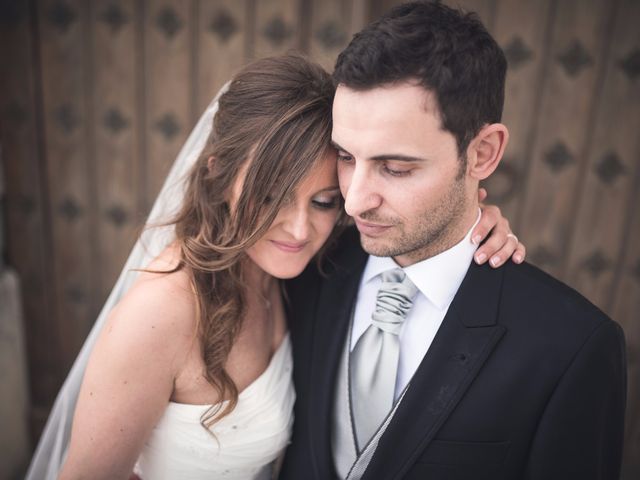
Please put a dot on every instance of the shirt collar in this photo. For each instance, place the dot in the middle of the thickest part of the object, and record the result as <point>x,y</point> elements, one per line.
<point>438,278</point>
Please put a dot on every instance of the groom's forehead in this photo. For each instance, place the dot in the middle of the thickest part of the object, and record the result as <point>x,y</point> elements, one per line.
<point>399,109</point>
<point>407,93</point>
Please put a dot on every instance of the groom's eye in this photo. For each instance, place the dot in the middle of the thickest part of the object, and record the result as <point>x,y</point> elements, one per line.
<point>395,172</point>
<point>344,157</point>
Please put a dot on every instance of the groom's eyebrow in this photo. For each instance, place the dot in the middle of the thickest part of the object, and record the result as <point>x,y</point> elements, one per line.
<point>398,157</point>
<point>335,145</point>
<point>385,156</point>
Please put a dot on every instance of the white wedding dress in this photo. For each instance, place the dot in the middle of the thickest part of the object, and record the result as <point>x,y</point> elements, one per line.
<point>244,444</point>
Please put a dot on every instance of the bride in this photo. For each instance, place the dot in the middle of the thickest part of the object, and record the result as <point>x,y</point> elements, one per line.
<point>187,373</point>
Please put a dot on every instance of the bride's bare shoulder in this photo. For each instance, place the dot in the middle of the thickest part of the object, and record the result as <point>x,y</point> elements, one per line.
<point>130,376</point>
<point>161,304</point>
<point>163,277</point>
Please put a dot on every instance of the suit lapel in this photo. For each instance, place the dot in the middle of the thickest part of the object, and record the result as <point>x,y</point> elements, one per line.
<point>336,298</point>
<point>467,336</point>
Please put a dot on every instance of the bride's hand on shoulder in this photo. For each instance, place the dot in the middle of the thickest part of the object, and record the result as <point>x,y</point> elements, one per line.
<point>501,243</point>
<point>129,378</point>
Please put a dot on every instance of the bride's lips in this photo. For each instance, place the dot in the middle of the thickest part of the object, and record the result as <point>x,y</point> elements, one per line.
<point>289,247</point>
<point>371,229</point>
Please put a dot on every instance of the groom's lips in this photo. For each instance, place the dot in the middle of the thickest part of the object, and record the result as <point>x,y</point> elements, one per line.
<point>371,229</point>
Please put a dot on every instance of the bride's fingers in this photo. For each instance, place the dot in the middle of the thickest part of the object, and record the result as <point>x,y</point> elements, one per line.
<point>511,248</point>
<point>501,245</point>
<point>520,253</point>
<point>497,248</point>
<point>488,220</point>
<point>482,194</point>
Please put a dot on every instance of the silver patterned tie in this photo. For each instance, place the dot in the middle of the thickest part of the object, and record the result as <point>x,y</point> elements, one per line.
<point>374,359</point>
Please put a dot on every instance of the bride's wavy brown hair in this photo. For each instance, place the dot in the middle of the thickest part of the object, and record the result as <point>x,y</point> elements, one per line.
<point>275,118</point>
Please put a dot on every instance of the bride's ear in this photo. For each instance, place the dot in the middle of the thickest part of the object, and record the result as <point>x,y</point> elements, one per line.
<point>486,149</point>
<point>210,161</point>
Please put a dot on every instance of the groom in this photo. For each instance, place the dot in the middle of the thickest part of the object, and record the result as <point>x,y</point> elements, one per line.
<point>411,361</point>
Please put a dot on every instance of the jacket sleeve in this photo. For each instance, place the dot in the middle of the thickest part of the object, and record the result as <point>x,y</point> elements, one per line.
<point>580,433</point>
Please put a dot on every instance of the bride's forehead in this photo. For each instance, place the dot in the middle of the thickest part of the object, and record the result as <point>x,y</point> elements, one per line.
<point>323,175</point>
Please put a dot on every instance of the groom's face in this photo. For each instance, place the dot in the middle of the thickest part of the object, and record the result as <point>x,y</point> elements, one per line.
<point>400,172</point>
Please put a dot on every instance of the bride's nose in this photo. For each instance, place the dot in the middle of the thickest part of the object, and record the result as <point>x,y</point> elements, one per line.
<point>296,222</point>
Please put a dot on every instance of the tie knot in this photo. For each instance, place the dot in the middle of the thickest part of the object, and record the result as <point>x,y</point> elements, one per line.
<point>394,300</point>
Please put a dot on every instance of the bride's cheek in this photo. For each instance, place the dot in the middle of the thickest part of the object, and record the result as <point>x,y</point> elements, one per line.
<point>329,225</point>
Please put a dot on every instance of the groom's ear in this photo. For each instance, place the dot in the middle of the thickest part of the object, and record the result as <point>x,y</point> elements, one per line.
<point>486,149</point>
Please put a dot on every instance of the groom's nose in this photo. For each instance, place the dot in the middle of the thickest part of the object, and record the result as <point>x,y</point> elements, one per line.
<point>358,187</point>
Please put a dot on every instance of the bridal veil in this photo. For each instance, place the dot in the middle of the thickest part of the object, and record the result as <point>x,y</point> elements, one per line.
<point>52,447</point>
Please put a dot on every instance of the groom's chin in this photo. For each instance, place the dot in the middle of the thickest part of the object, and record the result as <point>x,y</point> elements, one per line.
<point>375,246</point>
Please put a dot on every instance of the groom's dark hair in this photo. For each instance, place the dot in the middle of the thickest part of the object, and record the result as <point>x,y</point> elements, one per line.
<point>447,51</point>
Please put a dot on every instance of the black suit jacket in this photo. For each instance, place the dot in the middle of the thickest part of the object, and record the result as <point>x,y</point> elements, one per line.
<point>524,379</point>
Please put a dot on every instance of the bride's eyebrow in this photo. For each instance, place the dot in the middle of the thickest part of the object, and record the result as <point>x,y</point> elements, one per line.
<point>329,189</point>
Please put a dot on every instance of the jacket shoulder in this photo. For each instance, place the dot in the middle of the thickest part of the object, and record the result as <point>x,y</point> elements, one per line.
<point>535,292</point>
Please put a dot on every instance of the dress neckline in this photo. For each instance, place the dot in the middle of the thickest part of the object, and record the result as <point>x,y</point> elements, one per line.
<point>245,391</point>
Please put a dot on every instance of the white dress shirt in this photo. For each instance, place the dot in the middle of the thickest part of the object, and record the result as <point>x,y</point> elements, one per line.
<point>438,279</point>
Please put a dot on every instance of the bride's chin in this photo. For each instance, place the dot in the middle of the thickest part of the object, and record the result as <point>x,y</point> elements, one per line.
<point>281,270</point>
<point>289,275</point>
<point>284,271</point>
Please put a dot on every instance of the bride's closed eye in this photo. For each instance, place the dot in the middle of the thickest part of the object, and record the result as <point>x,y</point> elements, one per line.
<point>326,202</point>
